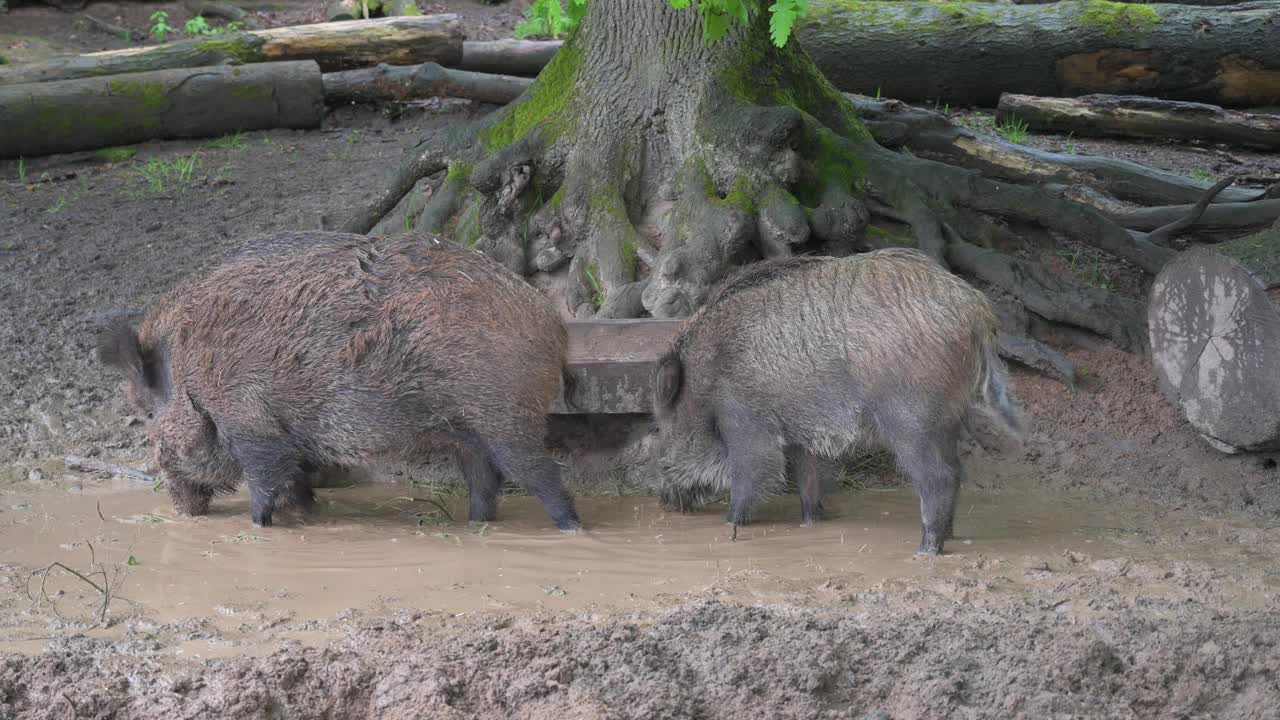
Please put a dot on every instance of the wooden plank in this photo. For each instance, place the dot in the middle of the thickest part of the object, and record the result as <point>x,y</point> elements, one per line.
<point>613,362</point>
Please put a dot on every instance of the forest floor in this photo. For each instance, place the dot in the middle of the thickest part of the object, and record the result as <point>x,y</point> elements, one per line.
<point>1113,566</point>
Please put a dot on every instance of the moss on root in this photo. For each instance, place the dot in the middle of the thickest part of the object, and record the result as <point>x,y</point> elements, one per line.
<point>546,103</point>
<point>1119,19</point>
<point>835,165</point>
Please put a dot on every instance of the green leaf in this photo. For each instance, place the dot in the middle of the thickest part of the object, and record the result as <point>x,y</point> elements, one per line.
<point>714,26</point>
<point>132,561</point>
<point>783,18</point>
<point>680,4</point>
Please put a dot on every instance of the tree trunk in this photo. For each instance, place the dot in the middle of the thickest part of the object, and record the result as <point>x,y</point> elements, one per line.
<point>70,115</point>
<point>387,82</point>
<point>334,46</point>
<point>1132,116</point>
<point>1215,339</point>
<point>969,53</point>
<point>644,163</point>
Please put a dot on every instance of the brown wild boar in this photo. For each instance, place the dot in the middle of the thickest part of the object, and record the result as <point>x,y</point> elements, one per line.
<point>318,348</point>
<point>801,359</point>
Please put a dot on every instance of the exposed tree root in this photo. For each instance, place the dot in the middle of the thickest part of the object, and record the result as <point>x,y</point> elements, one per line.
<point>630,183</point>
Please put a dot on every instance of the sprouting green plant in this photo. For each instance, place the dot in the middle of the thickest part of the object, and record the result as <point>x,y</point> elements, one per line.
<point>199,26</point>
<point>550,18</point>
<point>161,174</point>
<point>1071,145</point>
<point>597,290</point>
<point>408,222</point>
<point>132,561</point>
<point>877,92</point>
<point>1015,131</point>
<point>233,141</point>
<point>1201,174</point>
<point>160,27</point>
<point>59,206</point>
<point>22,169</point>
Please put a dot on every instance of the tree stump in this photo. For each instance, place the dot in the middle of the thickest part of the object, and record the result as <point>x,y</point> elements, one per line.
<point>1214,320</point>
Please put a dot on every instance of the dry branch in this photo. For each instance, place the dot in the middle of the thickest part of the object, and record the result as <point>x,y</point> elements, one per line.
<point>334,46</point>
<point>75,462</point>
<point>1216,218</point>
<point>1132,116</point>
<point>1215,340</point>
<point>387,82</point>
<point>69,115</point>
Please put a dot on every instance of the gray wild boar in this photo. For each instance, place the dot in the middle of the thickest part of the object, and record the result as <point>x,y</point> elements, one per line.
<point>315,349</point>
<point>792,361</point>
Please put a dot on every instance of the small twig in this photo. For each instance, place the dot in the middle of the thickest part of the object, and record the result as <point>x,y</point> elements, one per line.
<point>103,25</point>
<point>107,589</point>
<point>75,462</point>
<point>1162,235</point>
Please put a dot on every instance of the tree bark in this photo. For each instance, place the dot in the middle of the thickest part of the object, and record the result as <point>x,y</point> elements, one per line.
<point>969,53</point>
<point>334,46</point>
<point>1133,116</point>
<point>1215,340</point>
<point>387,82</point>
<point>88,113</point>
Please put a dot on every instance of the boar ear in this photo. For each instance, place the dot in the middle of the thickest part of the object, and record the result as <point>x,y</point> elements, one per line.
<point>208,426</point>
<point>669,378</point>
<point>118,347</point>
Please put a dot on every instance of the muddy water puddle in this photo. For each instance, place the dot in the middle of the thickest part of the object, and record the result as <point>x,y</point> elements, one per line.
<point>371,546</point>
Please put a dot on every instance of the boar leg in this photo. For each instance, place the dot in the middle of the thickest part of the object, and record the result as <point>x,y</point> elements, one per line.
<point>933,465</point>
<point>268,466</point>
<point>482,482</point>
<point>756,462</point>
<point>540,475</point>
<point>809,477</point>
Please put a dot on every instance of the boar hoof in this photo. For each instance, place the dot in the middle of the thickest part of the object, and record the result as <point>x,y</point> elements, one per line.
<point>262,521</point>
<point>929,551</point>
<point>576,529</point>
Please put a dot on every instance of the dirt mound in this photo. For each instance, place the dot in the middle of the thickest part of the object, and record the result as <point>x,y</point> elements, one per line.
<point>705,660</point>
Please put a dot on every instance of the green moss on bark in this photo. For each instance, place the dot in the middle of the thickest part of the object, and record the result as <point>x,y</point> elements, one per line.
<point>150,94</point>
<point>240,49</point>
<point>1119,19</point>
<point>546,104</point>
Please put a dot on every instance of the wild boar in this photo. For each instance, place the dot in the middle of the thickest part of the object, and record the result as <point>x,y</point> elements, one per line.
<point>791,361</point>
<point>313,349</point>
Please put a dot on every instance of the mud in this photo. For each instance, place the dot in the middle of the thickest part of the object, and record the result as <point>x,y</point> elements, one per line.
<point>1114,566</point>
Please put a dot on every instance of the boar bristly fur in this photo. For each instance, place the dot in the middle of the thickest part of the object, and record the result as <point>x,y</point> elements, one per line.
<point>327,349</point>
<point>797,360</point>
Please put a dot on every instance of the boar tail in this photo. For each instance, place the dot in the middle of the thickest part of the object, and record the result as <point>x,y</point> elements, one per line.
<point>997,402</point>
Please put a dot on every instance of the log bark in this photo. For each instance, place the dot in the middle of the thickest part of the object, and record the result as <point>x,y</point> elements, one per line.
<point>968,53</point>
<point>88,113</point>
<point>1203,3</point>
<point>507,57</point>
<point>387,82</point>
<point>334,46</point>
<point>1215,340</point>
<point>1134,116</point>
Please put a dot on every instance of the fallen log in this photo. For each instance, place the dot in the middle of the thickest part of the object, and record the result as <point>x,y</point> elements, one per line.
<point>333,46</point>
<point>968,53</point>
<point>387,82</point>
<point>1142,117</point>
<point>1215,340</point>
<point>931,135</point>
<point>507,57</point>
<point>83,114</point>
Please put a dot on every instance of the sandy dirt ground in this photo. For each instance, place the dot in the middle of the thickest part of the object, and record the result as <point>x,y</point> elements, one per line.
<point>1112,567</point>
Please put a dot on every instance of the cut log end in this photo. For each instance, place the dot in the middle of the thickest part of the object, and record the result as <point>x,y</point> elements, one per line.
<point>1215,341</point>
